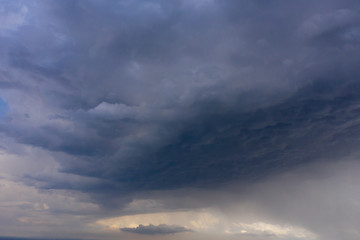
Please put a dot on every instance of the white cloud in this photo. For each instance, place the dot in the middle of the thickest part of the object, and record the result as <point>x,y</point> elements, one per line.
<point>262,228</point>
<point>118,111</point>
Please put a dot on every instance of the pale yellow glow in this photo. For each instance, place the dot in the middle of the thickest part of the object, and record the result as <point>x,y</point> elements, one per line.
<point>206,221</point>
<point>200,220</point>
<point>273,229</point>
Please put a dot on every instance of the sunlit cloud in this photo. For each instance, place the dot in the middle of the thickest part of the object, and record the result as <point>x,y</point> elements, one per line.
<point>261,228</point>
<point>203,222</point>
<point>196,220</point>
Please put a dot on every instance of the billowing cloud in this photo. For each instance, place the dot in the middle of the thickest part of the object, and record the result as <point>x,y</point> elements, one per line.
<point>131,108</point>
<point>169,104</point>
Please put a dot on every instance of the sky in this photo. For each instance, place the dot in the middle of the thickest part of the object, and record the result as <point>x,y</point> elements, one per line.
<point>179,119</point>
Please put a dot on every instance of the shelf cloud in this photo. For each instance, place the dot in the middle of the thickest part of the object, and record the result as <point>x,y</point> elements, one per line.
<point>226,118</point>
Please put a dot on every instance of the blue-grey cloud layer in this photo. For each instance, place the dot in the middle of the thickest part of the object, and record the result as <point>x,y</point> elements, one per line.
<point>156,230</point>
<point>153,95</point>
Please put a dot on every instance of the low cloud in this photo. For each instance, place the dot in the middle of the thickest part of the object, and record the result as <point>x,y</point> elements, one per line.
<point>154,230</point>
<point>267,230</point>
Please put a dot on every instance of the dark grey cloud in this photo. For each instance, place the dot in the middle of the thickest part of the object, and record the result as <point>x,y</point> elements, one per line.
<point>155,230</point>
<point>156,106</point>
<point>160,95</point>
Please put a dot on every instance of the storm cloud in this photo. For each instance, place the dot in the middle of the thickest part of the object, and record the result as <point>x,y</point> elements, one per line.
<point>140,107</point>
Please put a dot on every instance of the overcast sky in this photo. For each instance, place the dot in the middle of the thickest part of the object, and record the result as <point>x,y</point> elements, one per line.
<point>180,119</point>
